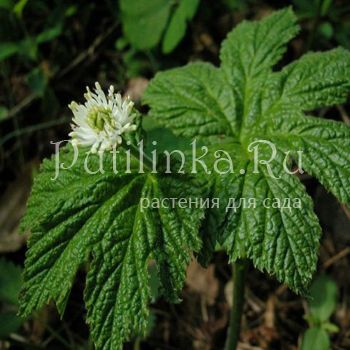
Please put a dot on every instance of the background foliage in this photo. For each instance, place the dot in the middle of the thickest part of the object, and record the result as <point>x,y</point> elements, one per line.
<point>49,51</point>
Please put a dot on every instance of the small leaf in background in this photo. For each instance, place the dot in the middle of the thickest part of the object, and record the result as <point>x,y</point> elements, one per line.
<point>323,298</point>
<point>8,49</point>
<point>325,6</point>
<point>326,29</point>
<point>49,34</point>
<point>28,48</point>
<point>330,327</point>
<point>37,81</point>
<point>121,43</point>
<point>10,282</point>
<point>177,27</point>
<point>71,10</point>
<point>3,112</point>
<point>19,7</point>
<point>144,21</point>
<point>315,339</point>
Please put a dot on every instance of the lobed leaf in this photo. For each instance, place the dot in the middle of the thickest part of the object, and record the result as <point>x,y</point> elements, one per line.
<point>252,48</point>
<point>325,146</point>
<point>281,240</point>
<point>316,80</point>
<point>194,101</point>
<point>243,101</point>
<point>82,215</point>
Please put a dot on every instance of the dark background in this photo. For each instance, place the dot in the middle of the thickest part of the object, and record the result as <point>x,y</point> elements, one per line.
<point>49,52</point>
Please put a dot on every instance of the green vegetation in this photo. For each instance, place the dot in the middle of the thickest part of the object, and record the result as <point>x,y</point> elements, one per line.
<point>225,73</point>
<point>100,218</point>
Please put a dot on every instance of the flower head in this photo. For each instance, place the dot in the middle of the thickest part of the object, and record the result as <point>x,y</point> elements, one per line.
<point>102,119</point>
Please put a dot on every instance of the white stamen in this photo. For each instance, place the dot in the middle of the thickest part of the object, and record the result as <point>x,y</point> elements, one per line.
<point>102,119</point>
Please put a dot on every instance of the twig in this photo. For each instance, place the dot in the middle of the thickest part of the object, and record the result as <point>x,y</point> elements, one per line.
<point>33,128</point>
<point>88,52</point>
<point>20,106</point>
<point>254,302</point>
<point>81,57</point>
<point>20,341</point>
<point>336,257</point>
<point>204,310</point>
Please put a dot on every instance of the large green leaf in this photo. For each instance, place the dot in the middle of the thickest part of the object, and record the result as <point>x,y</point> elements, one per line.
<point>252,48</point>
<point>279,234</point>
<point>194,101</point>
<point>325,145</point>
<point>102,219</point>
<point>244,100</point>
<point>315,80</point>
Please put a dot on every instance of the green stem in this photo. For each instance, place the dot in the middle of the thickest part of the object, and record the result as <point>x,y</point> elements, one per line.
<point>137,344</point>
<point>238,277</point>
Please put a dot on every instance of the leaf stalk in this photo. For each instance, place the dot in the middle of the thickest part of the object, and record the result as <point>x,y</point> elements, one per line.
<point>239,269</point>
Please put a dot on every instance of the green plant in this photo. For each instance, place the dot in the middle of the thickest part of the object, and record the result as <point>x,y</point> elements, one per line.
<point>245,100</point>
<point>148,22</point>
<point>322,304</point>
<point>99,218</point>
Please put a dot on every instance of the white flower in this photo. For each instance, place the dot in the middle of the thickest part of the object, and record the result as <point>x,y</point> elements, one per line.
<point>101,120</point>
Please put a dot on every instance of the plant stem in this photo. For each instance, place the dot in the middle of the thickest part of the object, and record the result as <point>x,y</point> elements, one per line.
<point>238,277</point>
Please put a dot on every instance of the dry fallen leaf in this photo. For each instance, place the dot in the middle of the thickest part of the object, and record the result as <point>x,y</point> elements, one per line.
<point>136,87</point>
<point>203,281</point>
<point>12,207</point>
